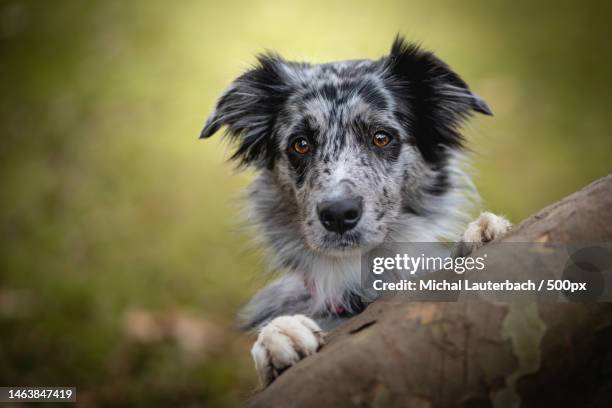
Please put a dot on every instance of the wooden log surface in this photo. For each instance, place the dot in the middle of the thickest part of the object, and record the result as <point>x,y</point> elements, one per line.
<point>473,354</point>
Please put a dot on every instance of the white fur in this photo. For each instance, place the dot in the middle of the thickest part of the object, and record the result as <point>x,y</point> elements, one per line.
<point>485,228</point>
<point>282,343</point>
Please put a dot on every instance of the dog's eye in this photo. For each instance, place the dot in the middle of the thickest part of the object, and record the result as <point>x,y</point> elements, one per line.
<point>381,139</point>
<point>301,146</point>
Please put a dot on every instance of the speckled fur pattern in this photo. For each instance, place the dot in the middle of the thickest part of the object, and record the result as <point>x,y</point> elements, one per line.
<point>415,189</point>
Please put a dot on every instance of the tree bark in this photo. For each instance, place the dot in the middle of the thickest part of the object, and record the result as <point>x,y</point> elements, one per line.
<point>471,354</point>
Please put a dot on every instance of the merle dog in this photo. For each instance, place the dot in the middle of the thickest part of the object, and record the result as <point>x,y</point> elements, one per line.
<point>349,155</point>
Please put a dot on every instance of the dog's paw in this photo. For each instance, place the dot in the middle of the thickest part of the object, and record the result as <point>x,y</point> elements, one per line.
<point>485,228</point>
<point>282,343</point>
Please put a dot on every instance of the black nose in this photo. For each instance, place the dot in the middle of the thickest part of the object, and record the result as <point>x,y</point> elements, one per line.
<point>340,215</point>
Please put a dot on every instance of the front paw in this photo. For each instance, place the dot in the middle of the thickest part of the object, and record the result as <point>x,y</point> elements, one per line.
<point>485,228</point>
<point>282,343</point>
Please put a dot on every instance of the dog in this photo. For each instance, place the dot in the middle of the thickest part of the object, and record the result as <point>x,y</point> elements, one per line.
<point>348,155</point>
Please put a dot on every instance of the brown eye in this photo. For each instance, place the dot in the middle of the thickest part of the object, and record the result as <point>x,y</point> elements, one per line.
<point>381,139</point>
<point>301,146</point>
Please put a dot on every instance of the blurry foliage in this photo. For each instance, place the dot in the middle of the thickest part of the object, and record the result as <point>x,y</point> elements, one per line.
<point>109,202</point>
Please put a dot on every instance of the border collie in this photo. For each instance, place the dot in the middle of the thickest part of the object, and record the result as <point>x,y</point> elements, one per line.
<point>348,155</point>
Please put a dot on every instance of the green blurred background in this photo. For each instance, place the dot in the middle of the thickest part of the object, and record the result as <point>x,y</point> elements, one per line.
<point>122,264</point>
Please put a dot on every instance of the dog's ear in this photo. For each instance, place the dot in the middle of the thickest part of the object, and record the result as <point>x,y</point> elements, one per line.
<point>249,108</point>
<point>435,99</point>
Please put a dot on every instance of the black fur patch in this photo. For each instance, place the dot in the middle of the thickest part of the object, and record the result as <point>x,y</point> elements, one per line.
<point>250,108</point>
<point>434,99</point>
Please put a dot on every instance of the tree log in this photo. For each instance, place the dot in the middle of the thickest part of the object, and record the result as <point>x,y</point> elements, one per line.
<point>473,354</point>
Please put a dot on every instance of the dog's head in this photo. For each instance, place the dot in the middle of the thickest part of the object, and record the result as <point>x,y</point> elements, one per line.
<point>350,145</point>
